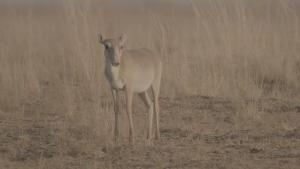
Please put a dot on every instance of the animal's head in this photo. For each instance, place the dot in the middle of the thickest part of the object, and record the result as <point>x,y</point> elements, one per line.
<point>113,48</point>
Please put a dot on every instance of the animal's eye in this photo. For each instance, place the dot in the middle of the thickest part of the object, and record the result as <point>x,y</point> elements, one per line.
<point>106,47</point>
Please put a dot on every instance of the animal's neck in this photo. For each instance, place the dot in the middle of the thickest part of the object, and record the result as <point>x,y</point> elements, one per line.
<point>114,74</point>
<point>115,70</point>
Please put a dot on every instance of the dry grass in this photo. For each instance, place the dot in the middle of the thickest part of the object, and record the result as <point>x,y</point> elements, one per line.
<point>229,49</point>
<point>51,66</point>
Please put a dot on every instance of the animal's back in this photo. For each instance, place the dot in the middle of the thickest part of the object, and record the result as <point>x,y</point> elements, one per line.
<point>141,67</point>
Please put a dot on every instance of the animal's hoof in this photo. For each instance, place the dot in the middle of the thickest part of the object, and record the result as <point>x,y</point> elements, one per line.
<point>149,142</point>
<point>131,141</point>
<point>157,136</point>
<point>116,141</point>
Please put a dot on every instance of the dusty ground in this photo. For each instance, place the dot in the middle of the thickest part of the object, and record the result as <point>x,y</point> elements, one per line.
<point>197,132</point>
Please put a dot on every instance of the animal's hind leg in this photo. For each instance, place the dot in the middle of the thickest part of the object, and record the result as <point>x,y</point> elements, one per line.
<point>155,89</point>
<point>146,99</point>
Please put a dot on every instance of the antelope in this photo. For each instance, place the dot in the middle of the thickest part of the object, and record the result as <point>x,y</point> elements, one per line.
<point>134,71</point>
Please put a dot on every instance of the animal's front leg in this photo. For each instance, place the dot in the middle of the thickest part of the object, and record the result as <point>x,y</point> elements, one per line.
<point>115,95</point>
<point>129,95</point>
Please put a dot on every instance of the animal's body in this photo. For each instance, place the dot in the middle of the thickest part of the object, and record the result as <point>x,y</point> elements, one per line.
<point>134,71</point>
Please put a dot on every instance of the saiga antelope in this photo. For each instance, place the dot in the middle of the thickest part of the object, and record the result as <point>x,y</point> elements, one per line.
<point>134,71</point>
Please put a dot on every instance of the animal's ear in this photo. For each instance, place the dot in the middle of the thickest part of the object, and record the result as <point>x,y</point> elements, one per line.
<point>122,39</point>
<point>100,38</point>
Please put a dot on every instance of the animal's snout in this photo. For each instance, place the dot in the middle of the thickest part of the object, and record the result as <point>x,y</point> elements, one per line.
<point>116,64</point>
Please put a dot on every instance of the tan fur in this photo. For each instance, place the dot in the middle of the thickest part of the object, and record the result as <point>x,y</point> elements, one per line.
<point>135,71</point>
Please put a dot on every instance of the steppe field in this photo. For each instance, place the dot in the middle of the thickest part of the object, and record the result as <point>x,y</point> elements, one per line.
<point>230,92</point>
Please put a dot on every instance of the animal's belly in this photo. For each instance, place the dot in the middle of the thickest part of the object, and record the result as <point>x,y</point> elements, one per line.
<point>142,83</point>
<point>138,88</point>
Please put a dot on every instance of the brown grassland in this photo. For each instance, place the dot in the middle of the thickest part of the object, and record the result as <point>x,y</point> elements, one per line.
<point>229,96</point>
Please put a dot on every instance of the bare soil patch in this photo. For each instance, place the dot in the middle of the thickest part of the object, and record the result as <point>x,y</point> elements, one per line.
<point>197,132</point>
